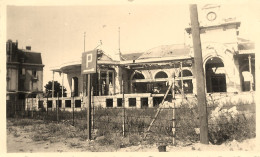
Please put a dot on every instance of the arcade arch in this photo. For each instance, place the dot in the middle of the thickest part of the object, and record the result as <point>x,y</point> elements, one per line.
<point>215,75</point>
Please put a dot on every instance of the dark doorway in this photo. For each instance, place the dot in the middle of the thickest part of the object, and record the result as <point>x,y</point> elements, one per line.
<point>75,86</point>
<point>215,75</point>
<point>144,102</point>
<point>157,101</point>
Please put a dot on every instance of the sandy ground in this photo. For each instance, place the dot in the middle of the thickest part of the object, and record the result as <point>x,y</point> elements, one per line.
<point>247,145</point>
<point>22,142</point>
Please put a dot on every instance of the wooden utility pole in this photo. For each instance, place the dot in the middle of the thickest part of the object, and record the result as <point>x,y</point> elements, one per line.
<point>89,107</point>
<point>202,105</point>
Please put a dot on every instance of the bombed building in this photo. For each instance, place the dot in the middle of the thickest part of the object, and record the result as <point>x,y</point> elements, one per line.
<point>144,79</point>
<point>24,76</point>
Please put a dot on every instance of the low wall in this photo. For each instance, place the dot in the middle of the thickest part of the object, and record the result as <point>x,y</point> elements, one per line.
<point>135,101</point>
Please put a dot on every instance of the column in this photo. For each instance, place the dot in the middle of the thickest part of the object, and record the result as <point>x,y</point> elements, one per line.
<point>250,70</point>
<point>138,102</point>
<point>99,83</point>
<point>118,80</point>
<point>62,92</point>
<point>150,101</point>
<point>62,84</point>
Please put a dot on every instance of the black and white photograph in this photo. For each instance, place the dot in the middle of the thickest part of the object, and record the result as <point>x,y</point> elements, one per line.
<point>130,76</point>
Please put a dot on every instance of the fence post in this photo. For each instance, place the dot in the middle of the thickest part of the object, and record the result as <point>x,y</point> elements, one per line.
<point>89,107</point>
<point>173,114</point>
<point>174,125</point>
<point>123,104</point>
<point>73,105</point>
<point>15,101</point>
<point>92,104</point>
<point>57,109</point>
<point>32,108</point>
<point>26,111</point>
<point>47,105</point>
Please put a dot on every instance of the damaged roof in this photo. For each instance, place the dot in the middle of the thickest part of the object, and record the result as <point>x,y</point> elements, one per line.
<point>131,56</point>
<point>244,44</point>
<point>30,57</point>
<point>166,51</point>
<point>102,56</point>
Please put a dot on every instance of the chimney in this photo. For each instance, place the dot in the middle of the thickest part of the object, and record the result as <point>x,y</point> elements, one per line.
<point>28,48</point>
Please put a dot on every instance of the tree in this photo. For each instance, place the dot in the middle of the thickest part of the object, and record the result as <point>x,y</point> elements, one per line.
<point>57,89</point>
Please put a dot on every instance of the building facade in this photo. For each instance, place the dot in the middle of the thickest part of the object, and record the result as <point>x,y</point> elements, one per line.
<point>24,76</point>
<point>228,62</point>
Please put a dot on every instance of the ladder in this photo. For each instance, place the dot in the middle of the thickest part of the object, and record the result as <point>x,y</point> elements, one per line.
<point>159,109</point>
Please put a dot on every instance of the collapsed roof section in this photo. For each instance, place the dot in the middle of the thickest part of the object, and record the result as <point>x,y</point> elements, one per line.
<point>244,44</point>
<point>160,54</point>
<point>166,51</point>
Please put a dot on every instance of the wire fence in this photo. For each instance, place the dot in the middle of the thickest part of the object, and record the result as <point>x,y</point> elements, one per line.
<point>173,124</point>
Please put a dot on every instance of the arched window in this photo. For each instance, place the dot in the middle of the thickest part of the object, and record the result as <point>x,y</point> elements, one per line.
<point>138,87</point>
<point>138,76</point>
<point>186,80</point>
<point>185,73</point>
<point>161,74</point>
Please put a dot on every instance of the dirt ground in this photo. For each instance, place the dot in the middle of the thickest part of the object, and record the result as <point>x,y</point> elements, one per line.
<point>19,139</point>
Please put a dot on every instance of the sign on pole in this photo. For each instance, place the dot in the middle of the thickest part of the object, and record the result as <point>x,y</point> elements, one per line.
<point>89,66</point>
<point>89,62</point>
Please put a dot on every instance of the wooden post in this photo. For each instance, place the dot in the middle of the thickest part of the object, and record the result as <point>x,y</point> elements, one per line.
<point>123,105</point>
<point>52,88</point>
<point>173,114</point>
<point>92,104</point>
<point>174,124</point>
<point>15,101</point>
<point>47,102</point>
<point>73,106</point>
<point>202,106</point>
<point>32,108</point>
<point>159,109</point>
<point>89,107</point>
<point>57,108</point>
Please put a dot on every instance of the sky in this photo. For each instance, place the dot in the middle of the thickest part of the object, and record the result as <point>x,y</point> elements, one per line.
<point>58,31</point>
